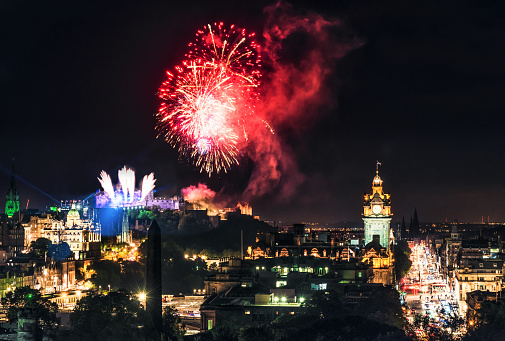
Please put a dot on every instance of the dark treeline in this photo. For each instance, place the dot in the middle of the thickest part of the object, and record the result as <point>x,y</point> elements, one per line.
<point>181,275</point>
<point>326,317</point>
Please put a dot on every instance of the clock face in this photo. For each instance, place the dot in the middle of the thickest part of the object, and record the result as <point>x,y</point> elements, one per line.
<point>376,209</point>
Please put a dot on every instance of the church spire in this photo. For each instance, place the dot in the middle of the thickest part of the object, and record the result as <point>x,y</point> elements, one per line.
<point>12,197</point>
<point>13,177</point>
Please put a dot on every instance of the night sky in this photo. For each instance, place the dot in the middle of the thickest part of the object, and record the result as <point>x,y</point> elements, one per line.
<point>422,91</point>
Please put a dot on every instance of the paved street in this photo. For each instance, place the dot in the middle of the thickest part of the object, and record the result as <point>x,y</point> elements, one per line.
<point>427,292</point>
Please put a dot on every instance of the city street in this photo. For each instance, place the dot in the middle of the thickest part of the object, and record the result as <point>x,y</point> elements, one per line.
<point>426,291</point>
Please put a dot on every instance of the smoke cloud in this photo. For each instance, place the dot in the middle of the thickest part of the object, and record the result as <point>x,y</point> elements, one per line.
<point>200,195</point>
<point>301,53</point>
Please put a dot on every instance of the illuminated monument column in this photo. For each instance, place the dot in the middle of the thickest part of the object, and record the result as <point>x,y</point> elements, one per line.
<point>125,236</point>
<point>153,283</point>
<point>377,213</point>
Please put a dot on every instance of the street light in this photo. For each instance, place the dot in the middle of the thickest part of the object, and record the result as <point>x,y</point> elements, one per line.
<point>142,298</point>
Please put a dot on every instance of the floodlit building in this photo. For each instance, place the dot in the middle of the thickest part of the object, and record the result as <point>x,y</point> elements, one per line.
<point>83,236</point>
<point>12,237</point>
<point>381,262</point>
<point>35,227</point>
<point>474,300</point>
<point>258,291</point>
<point>478,274</point>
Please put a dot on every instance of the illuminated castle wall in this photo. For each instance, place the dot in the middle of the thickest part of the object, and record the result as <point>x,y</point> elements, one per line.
<point>103,200</point>
<point>124,195</point>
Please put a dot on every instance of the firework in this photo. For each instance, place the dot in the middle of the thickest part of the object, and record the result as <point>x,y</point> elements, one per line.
<point>208,101</point>
<point>147,185</point>
<point>106,183</point>
<point>125,194</point>
<point>126,178</point>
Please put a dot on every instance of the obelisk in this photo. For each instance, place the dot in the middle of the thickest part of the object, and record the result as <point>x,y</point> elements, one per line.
<point>153,283</point>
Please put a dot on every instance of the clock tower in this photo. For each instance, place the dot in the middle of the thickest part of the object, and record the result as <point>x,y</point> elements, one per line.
<point>377,213</point>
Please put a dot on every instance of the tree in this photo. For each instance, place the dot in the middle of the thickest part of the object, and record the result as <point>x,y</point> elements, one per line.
<point>132,276</point>
<point>309,327</point>
<point>168,221</point>
<point>40,247</point>
<point>107,273</point>
<point>27,301</point>
<point>402,259</point>
<point>146,215</point>
<point>170,250</point>
<point>173,328</point>
<point>116,316</point>
<point>382,305</point>
<point>490,322</point>
<point>231,253</point>
<point>228,327</point>
<point>326,304</point>
<point>188,223</point>
<point>256,333</point>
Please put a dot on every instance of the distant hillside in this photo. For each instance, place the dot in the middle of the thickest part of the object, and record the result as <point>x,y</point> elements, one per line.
<point>226,235</point>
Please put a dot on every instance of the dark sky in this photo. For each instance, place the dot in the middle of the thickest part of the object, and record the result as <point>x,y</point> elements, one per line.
<point>424,94</point>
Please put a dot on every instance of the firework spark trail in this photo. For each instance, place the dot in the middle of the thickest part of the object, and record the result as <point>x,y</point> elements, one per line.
<point>209,101</point>
<point>126,178</point>
<point>106,183</point>
<point>211,108</point>
<point>147,185</point>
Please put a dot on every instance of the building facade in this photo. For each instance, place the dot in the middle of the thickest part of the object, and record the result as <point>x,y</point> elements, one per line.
<point>82,236</point>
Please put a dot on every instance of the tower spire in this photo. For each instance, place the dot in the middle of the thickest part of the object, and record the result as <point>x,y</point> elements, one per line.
<point>12,197</point>
<point>377,167</point>
<point>13,176</point>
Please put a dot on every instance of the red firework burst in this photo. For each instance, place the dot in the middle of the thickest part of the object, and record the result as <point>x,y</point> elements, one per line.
<point>208,101</point>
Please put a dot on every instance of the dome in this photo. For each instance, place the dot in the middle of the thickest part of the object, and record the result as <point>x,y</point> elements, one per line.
<point>73,214</point>
<point>377,181</point>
